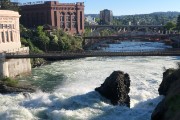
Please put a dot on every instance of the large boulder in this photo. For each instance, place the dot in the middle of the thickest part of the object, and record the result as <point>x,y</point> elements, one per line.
<point>116,88</point>
<point>169,76</point>
<point>169,107</point>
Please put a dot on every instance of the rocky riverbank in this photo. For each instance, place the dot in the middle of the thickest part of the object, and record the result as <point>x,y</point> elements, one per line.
<point>4,89</point>
<point>9,85</point>
<point>169,107</point>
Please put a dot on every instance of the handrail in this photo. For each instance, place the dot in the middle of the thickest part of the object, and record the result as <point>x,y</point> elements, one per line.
<point>66,55</point>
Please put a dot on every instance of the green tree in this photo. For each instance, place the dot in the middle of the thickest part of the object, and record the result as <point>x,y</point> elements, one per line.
<point>170,25</point>
<point>178,23</point>
<point>8,5</point>
<point>42,37</point>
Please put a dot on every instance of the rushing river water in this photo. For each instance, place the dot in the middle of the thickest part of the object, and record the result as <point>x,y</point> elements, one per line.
<point>69,90</point>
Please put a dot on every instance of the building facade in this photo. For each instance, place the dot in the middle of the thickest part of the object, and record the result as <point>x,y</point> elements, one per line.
<point>10,44</point>
<point>106,17</point>
<point>66,16</point>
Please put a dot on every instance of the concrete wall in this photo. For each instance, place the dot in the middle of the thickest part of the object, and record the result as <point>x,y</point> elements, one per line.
<point>14,67</point>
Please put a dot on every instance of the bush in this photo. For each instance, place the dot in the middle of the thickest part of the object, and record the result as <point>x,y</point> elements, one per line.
<point>9,82</point>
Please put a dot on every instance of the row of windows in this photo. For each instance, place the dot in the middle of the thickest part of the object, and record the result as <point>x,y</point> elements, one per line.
<point>6,37</point>
<point>7,26</point>
<point>60,8</point>
<point>68,25</point>
<point>68,18</point>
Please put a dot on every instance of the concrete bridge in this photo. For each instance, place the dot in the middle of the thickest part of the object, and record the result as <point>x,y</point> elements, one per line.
<point>123,28</point>
<point>74,55</point>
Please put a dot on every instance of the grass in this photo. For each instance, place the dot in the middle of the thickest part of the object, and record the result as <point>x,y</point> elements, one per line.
<point>9,82</point>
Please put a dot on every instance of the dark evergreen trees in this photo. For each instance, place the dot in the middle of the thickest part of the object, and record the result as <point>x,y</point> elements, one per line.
<point>178,23</point>
<point>8,5</point>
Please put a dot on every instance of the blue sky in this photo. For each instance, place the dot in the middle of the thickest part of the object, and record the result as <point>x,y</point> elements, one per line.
<point>125,7</point>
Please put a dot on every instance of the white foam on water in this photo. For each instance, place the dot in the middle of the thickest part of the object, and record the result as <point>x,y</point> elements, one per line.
<point>75,98</point>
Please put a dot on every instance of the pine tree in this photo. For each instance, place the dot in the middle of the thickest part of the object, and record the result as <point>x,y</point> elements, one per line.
<point>178,23</point>
<point>8,5</point>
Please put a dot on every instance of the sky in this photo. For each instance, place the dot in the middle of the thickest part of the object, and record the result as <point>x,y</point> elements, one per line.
<point>124,7</point>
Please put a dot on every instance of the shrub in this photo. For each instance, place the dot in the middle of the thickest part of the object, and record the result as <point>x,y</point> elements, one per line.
<point>9,82</point>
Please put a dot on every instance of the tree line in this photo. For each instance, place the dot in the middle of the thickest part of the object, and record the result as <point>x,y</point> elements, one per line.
<point>40,40</point>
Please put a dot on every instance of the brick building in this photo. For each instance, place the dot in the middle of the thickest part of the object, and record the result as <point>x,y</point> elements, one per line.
<point>66,16</point>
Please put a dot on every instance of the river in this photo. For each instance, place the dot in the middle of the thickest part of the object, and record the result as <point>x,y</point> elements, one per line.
<point>69,89</point>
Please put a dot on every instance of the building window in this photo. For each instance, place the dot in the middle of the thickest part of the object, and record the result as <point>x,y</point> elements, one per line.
<point>74,25</point>
<point>68,18</point>
<point>62,18</point>
<point>55,18</point>
<point>74,18</point>
<point>81,15</point>
<point>1,26</point>
<point>11,35</point>
<point>5,26</point>
<point>68,25</point>
<point>2,36</point>
<point>62,25</point>
<point>7,36</point>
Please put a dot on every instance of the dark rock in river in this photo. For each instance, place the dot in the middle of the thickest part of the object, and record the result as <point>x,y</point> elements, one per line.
<point>169,77</point>
<point>116,88</point>
<point>4,89</point>
<point>169,107</point>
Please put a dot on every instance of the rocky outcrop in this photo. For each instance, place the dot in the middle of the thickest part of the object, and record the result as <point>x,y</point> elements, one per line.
<point>116,88</point>
<point>4,89</point>
<point>169,107</point>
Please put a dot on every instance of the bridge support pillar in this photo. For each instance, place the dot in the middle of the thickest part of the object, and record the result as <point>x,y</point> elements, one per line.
<point>3,66</point>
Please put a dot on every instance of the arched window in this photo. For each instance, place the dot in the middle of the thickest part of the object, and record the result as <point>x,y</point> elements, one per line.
<point>62,16</point>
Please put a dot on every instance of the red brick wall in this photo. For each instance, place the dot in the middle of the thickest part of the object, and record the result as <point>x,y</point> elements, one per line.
<point>50,12</point>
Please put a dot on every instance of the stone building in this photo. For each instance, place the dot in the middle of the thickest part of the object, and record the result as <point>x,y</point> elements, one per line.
<point>10,43</point>
<point>66,16</point>
<point>106,17</point>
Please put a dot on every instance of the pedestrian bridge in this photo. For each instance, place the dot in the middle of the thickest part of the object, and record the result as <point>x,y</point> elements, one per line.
<point>74,55</point>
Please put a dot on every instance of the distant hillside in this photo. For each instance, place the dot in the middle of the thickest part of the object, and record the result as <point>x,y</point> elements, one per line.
<point>170,13</point>
<point>92,15</point>
<point>156,18</point>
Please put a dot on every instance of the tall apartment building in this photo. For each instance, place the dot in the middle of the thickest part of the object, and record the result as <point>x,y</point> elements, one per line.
<point>106,16</point>
<point>66,16</point>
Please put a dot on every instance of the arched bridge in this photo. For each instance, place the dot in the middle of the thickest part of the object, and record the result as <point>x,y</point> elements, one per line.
<point>155,28</point>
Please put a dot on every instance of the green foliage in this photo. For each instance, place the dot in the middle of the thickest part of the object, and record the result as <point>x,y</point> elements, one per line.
<point>159,18</point>
<point>8,5</point>
<point>65,42</point>
<point>97,20</point>
<point>116,22</point>
<point>170,26</point>
<point>178,23</point>
<point>9,82</point>
<point>87,32</point>
<point>39,40</point>
<point>106,32</point>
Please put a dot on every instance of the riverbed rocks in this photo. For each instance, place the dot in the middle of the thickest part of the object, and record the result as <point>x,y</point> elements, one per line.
<point>116,88</point>
<point>4,89</point>
<point>169,107</point>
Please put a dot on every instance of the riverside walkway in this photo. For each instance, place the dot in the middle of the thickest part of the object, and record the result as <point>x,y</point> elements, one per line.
<point>74,55</point>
